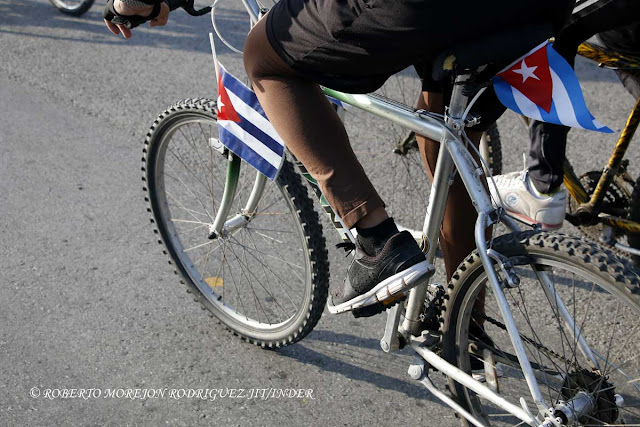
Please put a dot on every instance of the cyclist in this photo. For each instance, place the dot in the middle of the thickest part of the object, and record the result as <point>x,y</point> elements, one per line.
<point>354,46</point>
<point>536,194</point>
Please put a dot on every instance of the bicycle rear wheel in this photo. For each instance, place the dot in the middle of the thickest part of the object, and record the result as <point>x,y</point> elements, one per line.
<point>602,295</point>
<point>267,280</point>
<point>72,7</point>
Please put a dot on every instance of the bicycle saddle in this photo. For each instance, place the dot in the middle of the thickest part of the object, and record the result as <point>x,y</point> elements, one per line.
<point>499,48</point>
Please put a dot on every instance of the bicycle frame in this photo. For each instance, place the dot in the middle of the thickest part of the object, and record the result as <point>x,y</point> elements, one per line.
<point>454,156</point>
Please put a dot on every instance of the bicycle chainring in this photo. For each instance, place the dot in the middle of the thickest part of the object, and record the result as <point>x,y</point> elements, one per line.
<point>432,310</point>
<point>616,202</point>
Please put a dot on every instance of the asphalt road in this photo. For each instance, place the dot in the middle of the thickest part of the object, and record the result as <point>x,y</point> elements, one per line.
<point>88,300</point>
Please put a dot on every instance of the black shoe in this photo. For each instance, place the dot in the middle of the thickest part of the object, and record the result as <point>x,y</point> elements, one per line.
<point>378,282</point>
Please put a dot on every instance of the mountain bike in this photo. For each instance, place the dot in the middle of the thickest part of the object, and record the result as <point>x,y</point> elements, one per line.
<point>72,7</point>
<point>535,327</point>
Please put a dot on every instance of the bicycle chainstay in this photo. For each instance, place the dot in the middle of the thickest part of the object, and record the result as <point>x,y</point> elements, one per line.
<point>432,311</point>
<point>540,347</point>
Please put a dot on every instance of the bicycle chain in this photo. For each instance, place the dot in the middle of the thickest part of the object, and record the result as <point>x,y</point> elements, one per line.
<point>539,346</point>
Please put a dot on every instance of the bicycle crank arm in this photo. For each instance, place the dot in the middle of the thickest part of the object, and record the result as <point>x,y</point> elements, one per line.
<point>619,223</point>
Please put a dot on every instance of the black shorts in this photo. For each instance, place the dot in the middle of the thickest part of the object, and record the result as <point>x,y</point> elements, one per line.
<point>355,45</point>
<point>592,17</point>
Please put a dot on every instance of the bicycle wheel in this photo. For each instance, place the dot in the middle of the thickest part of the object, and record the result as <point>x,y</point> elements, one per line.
<point>622,199</point>
<point>491,149</point>
<point>72,7</point>
<point>602,295</point>
<point>267,281</point>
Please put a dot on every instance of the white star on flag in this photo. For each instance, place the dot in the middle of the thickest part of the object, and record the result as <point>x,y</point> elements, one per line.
<point>526,72</point>
<point>220,104</point>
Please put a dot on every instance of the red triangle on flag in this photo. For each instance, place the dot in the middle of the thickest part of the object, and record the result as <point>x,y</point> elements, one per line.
<point>532,77</point>
<point>225,107</point>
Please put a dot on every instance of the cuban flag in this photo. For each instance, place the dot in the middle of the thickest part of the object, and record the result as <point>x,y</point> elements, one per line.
<point>542,85</point>
<point>243,126</point>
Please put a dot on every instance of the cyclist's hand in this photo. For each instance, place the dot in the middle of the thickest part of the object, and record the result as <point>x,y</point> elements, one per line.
<point>116,26</point>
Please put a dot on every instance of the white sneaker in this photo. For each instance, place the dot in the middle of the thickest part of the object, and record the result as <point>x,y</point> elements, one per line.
<point>520,199</point>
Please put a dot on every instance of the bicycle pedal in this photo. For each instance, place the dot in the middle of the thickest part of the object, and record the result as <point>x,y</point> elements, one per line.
<point>374,309</point>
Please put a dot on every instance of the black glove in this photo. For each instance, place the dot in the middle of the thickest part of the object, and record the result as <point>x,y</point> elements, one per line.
<point>129,21</point>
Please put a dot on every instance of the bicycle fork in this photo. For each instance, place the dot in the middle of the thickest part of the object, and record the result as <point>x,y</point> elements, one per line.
<point>223,225</point>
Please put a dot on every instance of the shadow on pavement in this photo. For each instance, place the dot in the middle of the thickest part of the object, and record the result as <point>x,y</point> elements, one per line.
<point>330,351</point>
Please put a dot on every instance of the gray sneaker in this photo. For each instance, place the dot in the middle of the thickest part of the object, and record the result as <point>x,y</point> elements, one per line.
<point>520,199</point>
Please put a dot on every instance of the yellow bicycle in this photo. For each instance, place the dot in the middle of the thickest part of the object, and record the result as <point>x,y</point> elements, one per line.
<point>605,205</point>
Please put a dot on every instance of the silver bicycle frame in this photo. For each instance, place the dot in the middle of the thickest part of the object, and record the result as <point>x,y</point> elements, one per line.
<point>455,155</point>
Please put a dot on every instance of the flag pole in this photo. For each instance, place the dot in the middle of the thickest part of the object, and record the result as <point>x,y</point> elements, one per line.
<point>215,59</point>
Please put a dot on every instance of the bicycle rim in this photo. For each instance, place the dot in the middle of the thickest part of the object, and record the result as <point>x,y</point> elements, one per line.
<point>256,279</point>
<point>604,310</point>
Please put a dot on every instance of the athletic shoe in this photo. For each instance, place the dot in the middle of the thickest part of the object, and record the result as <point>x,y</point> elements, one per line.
<point>520,199</point>
<point>375,283</point>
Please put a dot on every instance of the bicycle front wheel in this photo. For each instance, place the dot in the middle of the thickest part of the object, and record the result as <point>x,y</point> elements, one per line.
<point>72,7</point>
<point>267,279</point>
<point>602,296</point>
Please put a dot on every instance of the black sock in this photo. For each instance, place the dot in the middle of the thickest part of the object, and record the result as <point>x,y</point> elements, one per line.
<point>373,239</point>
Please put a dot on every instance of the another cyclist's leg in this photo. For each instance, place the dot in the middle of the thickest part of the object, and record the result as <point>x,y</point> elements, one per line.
<point>546,155</point>
<point>387,263</point>
<point>536,194</point>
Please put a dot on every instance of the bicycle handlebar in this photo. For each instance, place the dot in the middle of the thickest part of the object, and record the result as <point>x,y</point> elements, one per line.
<point>132,21</point>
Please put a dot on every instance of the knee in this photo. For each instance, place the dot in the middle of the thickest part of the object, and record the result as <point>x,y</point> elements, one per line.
<point>251,53</point>
<point>261,61</point>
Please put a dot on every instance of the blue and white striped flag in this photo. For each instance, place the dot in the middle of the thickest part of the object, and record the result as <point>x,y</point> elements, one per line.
<point>543,86</point>
<point>243,126</point>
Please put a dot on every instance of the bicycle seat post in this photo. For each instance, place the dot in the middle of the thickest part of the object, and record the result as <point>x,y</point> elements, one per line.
<point>437,202</point>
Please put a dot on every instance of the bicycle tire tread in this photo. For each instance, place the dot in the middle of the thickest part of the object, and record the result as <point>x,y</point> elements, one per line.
<point>596,259</point>
<point>308,217</point>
